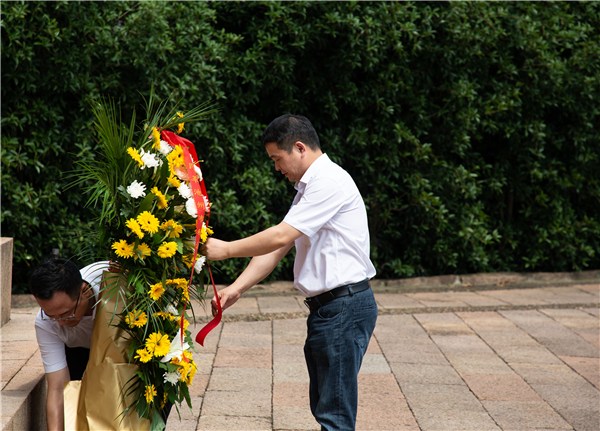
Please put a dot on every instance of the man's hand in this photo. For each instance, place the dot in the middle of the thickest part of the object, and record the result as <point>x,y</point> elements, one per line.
<point>228,297</point>
<point>215,249</point>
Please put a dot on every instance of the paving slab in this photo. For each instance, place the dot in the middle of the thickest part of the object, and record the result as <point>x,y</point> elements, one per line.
<point>577,404</point>
<point>469,353</point>
<point>559,339</point>
<point>382,405</point>
<point>525,415</point>
<point>447,407</point>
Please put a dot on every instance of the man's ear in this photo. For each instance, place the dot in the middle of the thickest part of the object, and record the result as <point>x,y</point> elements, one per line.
<point>301,146</point>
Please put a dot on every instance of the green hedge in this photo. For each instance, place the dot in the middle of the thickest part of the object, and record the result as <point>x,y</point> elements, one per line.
<point>471,128</point>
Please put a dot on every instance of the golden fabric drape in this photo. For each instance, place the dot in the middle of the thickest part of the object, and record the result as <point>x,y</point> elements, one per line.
<point>97,401</point>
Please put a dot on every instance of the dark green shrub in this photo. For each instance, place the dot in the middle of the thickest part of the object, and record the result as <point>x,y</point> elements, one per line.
<point>470,128</point>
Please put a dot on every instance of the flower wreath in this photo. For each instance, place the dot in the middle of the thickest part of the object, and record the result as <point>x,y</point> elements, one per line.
<point>154,218</point>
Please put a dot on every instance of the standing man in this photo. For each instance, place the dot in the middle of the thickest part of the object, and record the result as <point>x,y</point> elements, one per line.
<point>327,223</point>
<point>64,324</point>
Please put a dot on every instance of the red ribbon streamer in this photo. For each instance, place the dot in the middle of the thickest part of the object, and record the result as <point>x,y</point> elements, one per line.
<point>190,158</point>
<point>216,319</point>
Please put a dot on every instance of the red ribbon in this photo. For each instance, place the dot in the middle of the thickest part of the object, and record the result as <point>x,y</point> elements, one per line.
<point>190,159</point>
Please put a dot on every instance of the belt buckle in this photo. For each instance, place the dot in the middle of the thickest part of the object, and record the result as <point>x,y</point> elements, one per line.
<point>312,304</point>
<point>307,303</point>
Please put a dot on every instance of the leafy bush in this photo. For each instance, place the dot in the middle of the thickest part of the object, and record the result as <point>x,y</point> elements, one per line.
<point>470,128</point>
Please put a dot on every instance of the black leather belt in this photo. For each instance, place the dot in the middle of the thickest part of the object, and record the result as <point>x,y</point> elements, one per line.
<point>313,303</point>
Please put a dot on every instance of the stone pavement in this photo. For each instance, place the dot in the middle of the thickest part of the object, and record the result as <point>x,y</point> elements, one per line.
<point>480,352</point>
<point>447,357</point>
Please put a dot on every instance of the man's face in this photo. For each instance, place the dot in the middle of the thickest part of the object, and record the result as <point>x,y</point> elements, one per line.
<point>63,309</point>
<point>289,164</point>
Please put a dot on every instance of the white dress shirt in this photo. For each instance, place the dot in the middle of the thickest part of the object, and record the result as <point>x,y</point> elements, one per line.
<point>52,337</point>
<point>334,248</point>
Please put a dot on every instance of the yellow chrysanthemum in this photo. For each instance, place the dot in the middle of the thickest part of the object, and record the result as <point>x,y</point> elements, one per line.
<point>166,316</point>
<point>156,291</point>
<point>155,138</point>
<point>162,199</point>
<point>135,155</point>
<point>191,373</point>
<point>123,249</point>
<point>182,284</point>
<point>134,227</point>
<point>158,344</point>
<point>148,222</point>
<point>142,251</point>
<point>203,233</point>
<point>177,282</point>
<point>150,393</point>
<point>185,293</point>
<point>173,181</point>
<point>143,355</point>
<point>180,125</point>
<point>186,367</point>
<point>187,260</point>
<point>173,228</point>
<point>167,249</point>
<point>136,318</point>
<point>175,159</point>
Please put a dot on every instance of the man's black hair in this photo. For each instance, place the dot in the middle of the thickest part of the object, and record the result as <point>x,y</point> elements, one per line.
<point>55,275</point>
<point>289,128</point>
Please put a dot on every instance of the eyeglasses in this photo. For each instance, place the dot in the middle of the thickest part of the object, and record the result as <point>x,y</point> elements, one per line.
<point>63,318</point>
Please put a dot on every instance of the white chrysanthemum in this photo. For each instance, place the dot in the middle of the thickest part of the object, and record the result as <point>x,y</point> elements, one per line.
<point>185,191</point>
<point>172,377</point>
<point>136,189</point>
<point>165,148</point>
<point>199,264</point>
<point>190,207</point>
<point>150,160</point>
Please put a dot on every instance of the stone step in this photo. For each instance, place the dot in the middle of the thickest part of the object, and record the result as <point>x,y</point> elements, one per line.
<point>23,385</point>
<point>22,374</point>
<point>6,258</point>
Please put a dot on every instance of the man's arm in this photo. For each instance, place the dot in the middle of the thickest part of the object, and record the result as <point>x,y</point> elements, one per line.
<point>258,268</point>
<point>266,241</point>
<point>55,399</point>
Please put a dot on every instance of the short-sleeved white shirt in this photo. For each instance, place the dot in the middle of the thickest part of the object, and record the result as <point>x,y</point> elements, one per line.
<point>334,248</point>
<point>52,338</point>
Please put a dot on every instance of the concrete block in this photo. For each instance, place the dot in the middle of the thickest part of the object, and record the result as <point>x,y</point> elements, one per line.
<point>447,407</point>
<point>588,368</point>
<point>289,365</point>
<point>181,424</point>
<point>518,414</point>
<point>577,404</point>
<point>294,418</point>
<point>238,403</point>
<point>6,258</point>
<point>233,423</point>
<point>24,410</point>
<point>382,406</point>
<point>243,357</point>
<point>241,381</point>
<point>393,301</point>
<point>279,304</point>
<point>246,334</point>
<point>425,373</point>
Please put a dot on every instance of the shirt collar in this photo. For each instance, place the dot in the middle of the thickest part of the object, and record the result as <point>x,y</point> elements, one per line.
<point>311,171</point>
